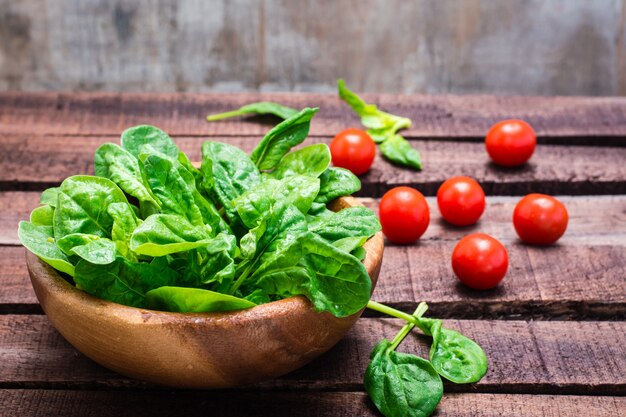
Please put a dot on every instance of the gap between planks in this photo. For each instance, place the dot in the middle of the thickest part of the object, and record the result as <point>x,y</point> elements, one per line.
<point>31,162</point>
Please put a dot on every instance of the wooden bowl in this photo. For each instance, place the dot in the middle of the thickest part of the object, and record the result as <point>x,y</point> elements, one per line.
<point>195,350</point>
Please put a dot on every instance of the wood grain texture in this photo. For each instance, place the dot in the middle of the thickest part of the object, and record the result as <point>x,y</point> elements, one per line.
<point>565,120</point>
<point>524,357</point>
<point>37,162</point>
<point>568,46</point>
<point>70,403</point>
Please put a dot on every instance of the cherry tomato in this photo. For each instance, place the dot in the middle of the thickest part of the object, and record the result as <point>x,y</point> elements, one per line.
<point>461,201</point>
<point>353,149</point>
<point>404,214</point>
<point>480,261</point>
<point>540,219</point>
<point>511,142</point>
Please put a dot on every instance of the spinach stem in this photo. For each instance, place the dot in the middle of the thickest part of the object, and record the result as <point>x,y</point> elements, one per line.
<point>390,311</point>
<point>225,115</point>
<point>419,311</point>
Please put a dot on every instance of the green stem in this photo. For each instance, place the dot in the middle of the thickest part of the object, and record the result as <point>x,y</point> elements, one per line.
<point>390,311</point>
<point>225,115</point>
<point>419,311</point>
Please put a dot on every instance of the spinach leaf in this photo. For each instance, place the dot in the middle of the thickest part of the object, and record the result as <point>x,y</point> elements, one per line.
<point>228,172</point>
<point>136,138</point>
<point>174,192</point>
<point>350,243</point>
<point>122,281</point>
<point>337,182</point>
<point>194,300</point>
<point>164,234</point>
<point>311,160</point>
<point>124,169</point>
<point>50,196</point>
<point>349,222</point>
<point>284,136</point>
<point>400,384</point>
<point>271,239</point>
<point>399,151</point>
<point>380,125</point>
<point>42,215</point>
<point>40,241</point>
<point>340,285</point>
<point>124,224</point>
<point>212,264</point>
<point>82,206</point>
<point>454,356</point>
<point>262,107</point>
<point>298,190</point>
<point>94,249</point>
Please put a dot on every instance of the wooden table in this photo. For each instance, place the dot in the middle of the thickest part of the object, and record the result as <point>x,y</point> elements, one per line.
<point>554,330</point>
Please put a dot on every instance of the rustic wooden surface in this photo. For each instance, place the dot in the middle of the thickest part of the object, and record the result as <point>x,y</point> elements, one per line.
<point>554,330</point>
<point>541,47</point>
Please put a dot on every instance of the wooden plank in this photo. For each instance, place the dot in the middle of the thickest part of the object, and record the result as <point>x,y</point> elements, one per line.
<point>36,162</point>
<point>593,221</point>
<point>581,277</point>
<point>556,119</point>
<point>69,403</point>
<point>557,358</point>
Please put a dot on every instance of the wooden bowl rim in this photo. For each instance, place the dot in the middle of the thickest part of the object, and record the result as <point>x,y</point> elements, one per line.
<point>49,277</point>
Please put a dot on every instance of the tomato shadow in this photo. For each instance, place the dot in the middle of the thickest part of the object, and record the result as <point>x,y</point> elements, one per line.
<point>528,167</point>
<point>498,292</point>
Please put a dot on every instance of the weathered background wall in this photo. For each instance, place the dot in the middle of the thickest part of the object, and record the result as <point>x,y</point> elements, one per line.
<point>539,47</point>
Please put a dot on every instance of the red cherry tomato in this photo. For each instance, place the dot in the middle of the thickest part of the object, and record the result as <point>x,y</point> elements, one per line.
<point>353,149</point>
<point>480,261</point>
<point>540,219</point>
<point>511,142</point>
<point>461,201</point>
<point>404,214</point>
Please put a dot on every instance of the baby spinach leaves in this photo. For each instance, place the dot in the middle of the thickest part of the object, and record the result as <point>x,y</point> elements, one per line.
<point>238,231</point>
<point>383,128</point>
<point>261,107</point>
<point>397,391</point>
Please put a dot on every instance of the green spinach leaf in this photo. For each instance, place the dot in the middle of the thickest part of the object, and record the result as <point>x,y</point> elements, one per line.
<point>455,356</point>
<point>400,384</point>
<point>228,173</point>
<point>50,197</point>
<point>349,222</point>
<point>164,234</point>
<point>194,300</point>
<point>337,182</point>
<point>124,169</point>
<point>122,281</point>
<point>42,215</point>
<point>124,224</point>
<point>262,107</point>
<point>94,249</point>
<point>82,206</point>
<point>40,241</point>
<point>284,136</point>
<point>311,160</point>
<point>175,193</point>
<point>399,151</point>
<point>136,138</point>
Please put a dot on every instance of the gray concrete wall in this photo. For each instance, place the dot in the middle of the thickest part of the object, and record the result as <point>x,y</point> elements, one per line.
<point>538,47</point>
